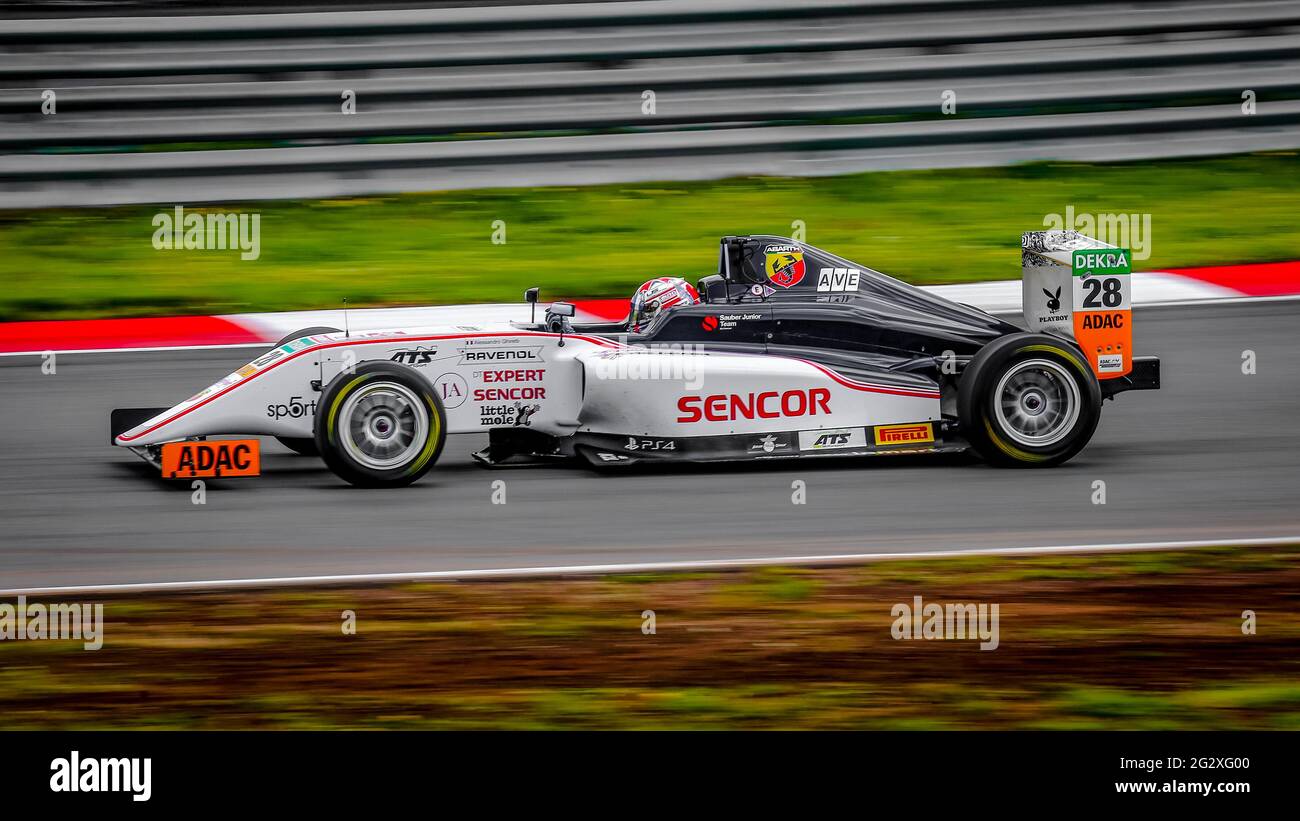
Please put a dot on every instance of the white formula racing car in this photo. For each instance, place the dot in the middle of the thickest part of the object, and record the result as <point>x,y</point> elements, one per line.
<point>787,351</point>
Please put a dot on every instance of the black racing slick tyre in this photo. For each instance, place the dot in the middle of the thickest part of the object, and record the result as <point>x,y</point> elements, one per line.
<point>1028,400</point>
<point>380,426</point>
<point>304,445</point>
<point>319,329</point>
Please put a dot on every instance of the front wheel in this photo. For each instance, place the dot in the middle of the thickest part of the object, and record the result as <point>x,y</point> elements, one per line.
<point>1028,400</point>
<point>303,445</point>
<point>380,426</point>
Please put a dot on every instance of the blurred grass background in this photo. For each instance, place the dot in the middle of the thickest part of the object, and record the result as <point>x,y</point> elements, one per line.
<point>1148,640</point>
<point>420,249</point>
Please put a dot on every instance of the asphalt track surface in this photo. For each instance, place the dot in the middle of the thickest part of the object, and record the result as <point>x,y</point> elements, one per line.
<point>1214,454</point>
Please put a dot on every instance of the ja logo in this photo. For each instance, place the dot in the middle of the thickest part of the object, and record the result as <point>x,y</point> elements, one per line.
<point>452,390</point>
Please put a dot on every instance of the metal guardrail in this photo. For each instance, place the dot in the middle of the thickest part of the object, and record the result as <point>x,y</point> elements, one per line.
<point>490,87</point>
<point>148,95</point>
<point>423,47</point>
<point>485,18</point>
<point>770,105</point>
<point>352,158</point>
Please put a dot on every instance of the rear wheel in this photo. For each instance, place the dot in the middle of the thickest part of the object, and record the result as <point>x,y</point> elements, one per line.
<point>1028,400</point>
<point>380,426</point>
<point>303,445</point>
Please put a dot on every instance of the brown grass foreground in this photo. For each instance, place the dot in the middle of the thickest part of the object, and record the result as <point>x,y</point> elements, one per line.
<point>1142,640</point>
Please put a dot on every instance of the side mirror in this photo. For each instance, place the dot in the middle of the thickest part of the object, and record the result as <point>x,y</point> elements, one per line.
<point>557,318</point>
<point>530,296</point>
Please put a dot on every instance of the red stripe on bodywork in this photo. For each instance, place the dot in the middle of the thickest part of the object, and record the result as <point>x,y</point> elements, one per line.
<point>922,393</point>
<point>1263,279</point>
<point>154,332</point>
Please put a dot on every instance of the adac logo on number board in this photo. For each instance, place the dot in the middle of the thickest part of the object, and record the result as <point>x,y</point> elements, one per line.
<point>211,458</point>
<point>1103,308</point>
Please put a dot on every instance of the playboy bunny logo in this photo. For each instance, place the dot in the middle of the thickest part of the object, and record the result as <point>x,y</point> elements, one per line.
<point>1053,299</point>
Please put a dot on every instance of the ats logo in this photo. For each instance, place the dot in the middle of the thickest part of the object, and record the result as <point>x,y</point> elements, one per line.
<point>810,440</point>
<point>831,440</point>
<point>904,434</point>
<point>415,358</point>
<point>784,265</point>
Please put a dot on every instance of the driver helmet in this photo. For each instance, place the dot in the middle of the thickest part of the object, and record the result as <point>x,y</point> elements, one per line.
<point>659,294</point>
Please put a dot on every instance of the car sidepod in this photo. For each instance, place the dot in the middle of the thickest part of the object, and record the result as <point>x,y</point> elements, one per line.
<point>653,405</point>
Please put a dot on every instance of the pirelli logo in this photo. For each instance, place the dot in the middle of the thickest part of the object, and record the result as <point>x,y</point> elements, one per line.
<point>909,434</point>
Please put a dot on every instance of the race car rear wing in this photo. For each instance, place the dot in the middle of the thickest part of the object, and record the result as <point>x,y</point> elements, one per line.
<point>1080,288</point>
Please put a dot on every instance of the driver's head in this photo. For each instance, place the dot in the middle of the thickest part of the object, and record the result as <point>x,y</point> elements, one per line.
<point>659,294</point>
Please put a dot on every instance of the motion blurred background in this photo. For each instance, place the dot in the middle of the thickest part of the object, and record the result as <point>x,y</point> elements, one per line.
<point>153,108</point>
<point>682,120</point>
<point>418,153</point>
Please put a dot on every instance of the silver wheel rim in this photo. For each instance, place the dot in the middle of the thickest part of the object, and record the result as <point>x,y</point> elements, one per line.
<point>1037,402</point>
<point>383,425</point>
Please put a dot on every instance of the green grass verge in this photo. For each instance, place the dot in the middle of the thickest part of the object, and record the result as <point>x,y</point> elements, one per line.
<point>1105,641</point>
<point>435,248</point>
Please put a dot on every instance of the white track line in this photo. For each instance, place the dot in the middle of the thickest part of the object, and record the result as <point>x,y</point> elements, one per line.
<point>637,567</point>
